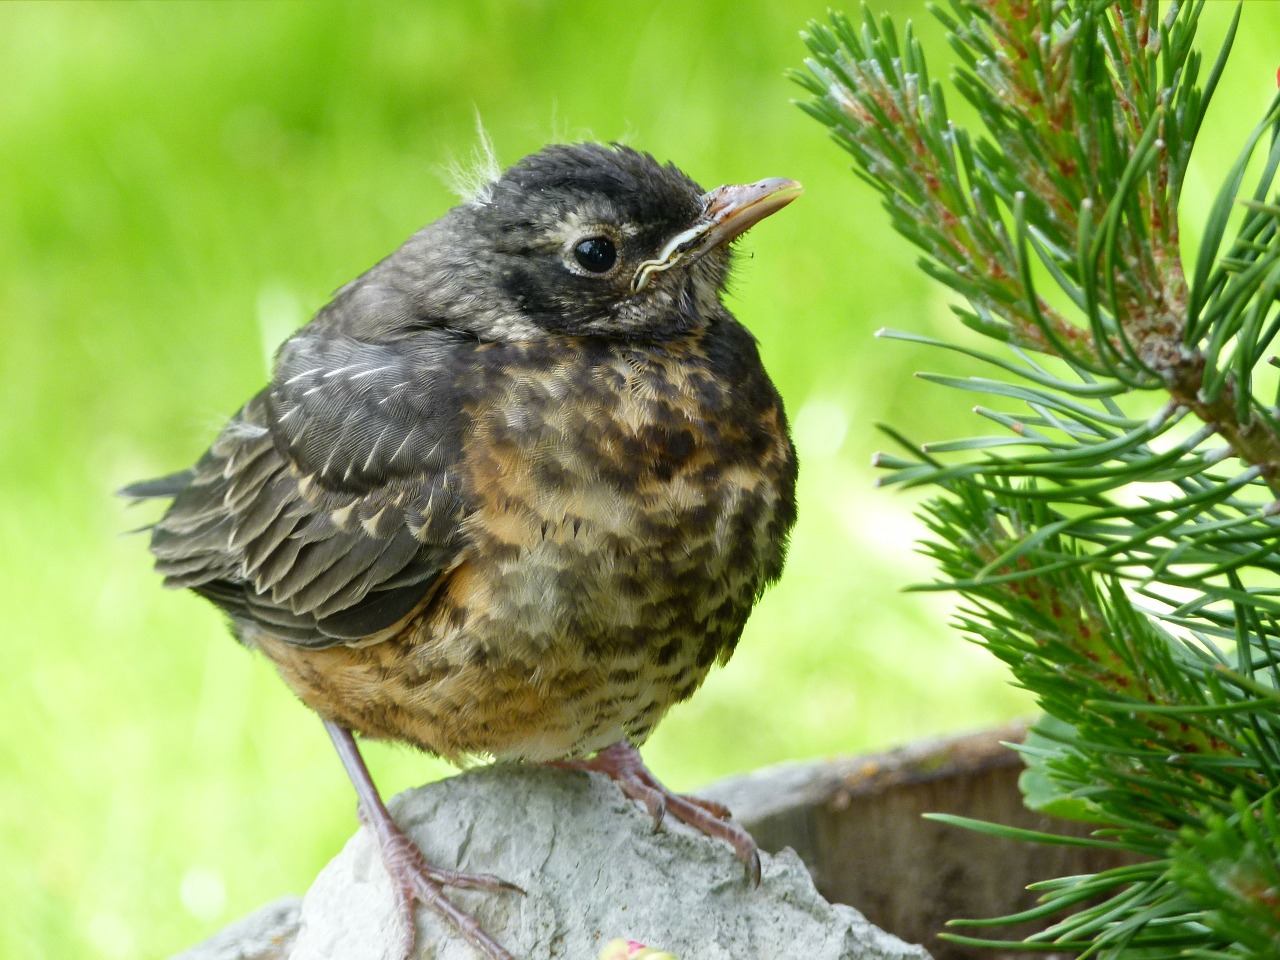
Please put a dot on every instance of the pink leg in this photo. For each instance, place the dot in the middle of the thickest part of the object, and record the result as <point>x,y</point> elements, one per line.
<point>413,879</point>
<point>622,762</point>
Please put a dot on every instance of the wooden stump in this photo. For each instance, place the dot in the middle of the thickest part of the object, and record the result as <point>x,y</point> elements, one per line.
<point>857,824</point>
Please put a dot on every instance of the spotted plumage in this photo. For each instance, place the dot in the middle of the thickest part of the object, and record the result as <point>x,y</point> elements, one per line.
<point>515,490</point>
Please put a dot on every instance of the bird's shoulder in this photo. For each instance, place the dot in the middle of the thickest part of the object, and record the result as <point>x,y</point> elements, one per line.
<point>355,415</point>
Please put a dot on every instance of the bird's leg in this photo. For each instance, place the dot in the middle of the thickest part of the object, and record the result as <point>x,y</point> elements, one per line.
<point>622,763</point>
<point>412,878</point>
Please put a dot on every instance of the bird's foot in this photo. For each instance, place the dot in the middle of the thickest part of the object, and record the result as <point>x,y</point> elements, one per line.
<point>416,881</point>
<point>412,878</point>
<point>621,762</point>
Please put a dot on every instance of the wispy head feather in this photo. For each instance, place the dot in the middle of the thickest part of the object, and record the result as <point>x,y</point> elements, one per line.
<point>472,178</point>
<point>562,132</point>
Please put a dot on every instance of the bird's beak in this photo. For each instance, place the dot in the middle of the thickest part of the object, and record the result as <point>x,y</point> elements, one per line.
<point>727,213</point>
<point>735,209</point>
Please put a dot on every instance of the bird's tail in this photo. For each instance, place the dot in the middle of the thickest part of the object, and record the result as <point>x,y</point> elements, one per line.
<point>165,487</point>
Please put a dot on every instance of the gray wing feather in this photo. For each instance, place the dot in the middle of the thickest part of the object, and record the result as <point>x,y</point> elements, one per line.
<point>329,506</point>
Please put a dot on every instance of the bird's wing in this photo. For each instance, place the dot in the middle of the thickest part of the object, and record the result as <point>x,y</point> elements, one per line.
<point>329,506</point>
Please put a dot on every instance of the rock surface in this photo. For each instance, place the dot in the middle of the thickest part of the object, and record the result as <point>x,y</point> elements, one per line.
<point>593,870</point>
<point>265,934</point>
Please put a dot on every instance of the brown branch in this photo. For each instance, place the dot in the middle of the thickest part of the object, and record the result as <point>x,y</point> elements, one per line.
<point>1252,440</point>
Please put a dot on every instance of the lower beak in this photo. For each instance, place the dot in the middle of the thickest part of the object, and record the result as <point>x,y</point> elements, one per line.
<point>727,213</point>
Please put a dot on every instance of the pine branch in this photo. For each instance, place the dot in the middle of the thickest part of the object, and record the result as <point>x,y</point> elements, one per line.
<point>1124,565</point>
<point>1091,111</point>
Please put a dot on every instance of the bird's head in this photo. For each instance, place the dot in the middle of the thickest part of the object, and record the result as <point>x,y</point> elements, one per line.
<point>599,240</point>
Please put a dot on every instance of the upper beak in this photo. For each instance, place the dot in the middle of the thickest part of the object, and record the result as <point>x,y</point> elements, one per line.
<point>727,213</point>
<point>735,209</point>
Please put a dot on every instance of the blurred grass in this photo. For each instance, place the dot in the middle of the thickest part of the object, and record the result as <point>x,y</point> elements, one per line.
<point>181,185</point>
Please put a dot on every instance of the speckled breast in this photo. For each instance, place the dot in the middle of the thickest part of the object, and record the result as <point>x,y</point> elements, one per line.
<point>630,504</point>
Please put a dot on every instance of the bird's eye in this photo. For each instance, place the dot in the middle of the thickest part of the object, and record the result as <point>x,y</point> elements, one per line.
<point>597,254</point>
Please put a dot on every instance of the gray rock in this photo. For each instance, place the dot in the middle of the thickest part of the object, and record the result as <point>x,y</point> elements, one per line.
<point>593,870</point>
<point>265,934</point>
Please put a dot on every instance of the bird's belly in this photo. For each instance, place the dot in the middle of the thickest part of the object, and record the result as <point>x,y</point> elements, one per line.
<point>596,620</point>
<point>565,630</point>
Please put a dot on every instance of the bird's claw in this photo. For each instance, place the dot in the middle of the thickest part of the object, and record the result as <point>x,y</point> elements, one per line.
<point>416,881</point>
<point>621,762</point>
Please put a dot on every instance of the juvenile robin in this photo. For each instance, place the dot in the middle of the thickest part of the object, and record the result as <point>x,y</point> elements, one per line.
<point>512,492</point>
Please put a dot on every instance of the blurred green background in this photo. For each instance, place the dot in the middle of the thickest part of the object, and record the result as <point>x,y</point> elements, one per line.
<point>182,184</point>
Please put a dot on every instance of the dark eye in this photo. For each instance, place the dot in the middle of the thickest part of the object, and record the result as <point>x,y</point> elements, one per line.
<point>597,254</point>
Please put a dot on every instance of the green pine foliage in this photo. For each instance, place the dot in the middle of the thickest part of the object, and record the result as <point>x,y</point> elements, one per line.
<point>1114,538</point>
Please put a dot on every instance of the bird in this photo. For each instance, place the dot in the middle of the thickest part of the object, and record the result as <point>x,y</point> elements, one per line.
<point>511,493</point>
